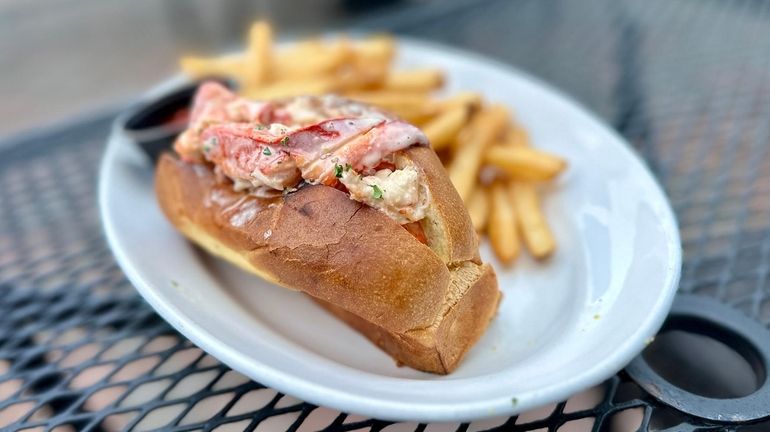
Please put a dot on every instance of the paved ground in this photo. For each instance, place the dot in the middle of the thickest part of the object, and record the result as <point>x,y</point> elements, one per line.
<point>60,58</point>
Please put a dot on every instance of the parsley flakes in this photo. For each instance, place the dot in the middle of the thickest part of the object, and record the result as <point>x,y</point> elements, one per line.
<point>376,192</point>
<point>338,170</point>
<point>266,151</point>
<point>209,144</point>
<point>284,140</point>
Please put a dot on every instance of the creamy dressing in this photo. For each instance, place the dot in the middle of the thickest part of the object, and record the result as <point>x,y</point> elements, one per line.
<point>399,194</point>
<point>244,214</point>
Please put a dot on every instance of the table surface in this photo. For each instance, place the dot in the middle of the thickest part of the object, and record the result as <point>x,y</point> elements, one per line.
<point>687,82</point>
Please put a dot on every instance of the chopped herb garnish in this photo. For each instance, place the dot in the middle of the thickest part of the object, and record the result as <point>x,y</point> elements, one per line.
<point>266,151</point>
<point>347,167</point>
<point>376,192</point>
<point>260,127</point>
<point>209,144</point>
<point>284,140</point>
<point>338,170</point>
<point>174,283</point>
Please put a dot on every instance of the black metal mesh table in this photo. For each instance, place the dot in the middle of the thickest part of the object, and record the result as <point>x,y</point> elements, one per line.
<point>686,81</point>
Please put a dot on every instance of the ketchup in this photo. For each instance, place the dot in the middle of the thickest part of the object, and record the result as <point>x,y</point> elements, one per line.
<point>180,116</point>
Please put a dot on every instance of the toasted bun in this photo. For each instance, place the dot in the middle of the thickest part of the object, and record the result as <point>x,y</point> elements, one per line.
<point>425,306</point>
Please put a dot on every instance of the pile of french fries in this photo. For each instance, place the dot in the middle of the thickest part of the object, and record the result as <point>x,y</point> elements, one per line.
<point>488,155</point>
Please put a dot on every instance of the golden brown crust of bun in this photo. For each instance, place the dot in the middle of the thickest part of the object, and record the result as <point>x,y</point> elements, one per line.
<point>447,214</point>
<point>439,349</point>
<point>373,273</point>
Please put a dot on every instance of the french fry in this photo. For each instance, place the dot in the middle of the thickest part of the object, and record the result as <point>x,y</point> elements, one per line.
<point>516,136</point>
<point>282,89</point>
<point>311,59</point>
<point>420,80</point>
<point>258,55</point>
<point>410,106</point>
<point>466,134</point>
<point>420,119</point>
<point>478,208</point>
<point>390,99</point>
<point>369,63</point>
<point>304,47</point>
<point>226,66</point>
<point>537,235</point>
<point>489,174</point>
<point>467,99</point>
<point>502,226</point>
<point>443,129</point>
<point>520,137</point>
<point>484,127</point>
<point>416,115</point>
<point>295,52</point>
<point>365,77</point>
<point>525,163</point>
<point>379,48</point>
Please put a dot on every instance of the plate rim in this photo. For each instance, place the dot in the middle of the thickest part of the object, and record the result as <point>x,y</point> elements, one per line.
<point>321,395</point>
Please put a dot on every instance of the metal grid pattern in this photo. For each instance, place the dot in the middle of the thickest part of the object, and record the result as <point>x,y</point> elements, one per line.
<point>686,81</point>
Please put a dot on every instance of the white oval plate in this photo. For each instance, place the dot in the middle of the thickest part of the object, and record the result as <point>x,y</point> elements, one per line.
<point>563,325</point>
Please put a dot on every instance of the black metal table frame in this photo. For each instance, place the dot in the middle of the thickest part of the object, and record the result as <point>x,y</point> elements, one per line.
<point>686,82</point>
